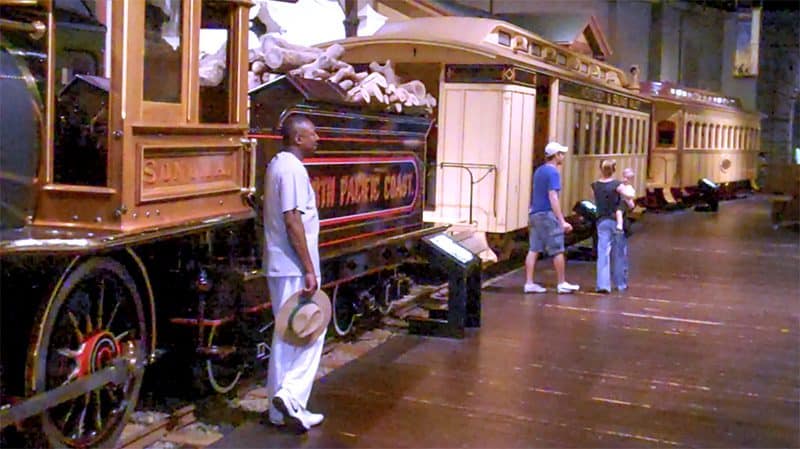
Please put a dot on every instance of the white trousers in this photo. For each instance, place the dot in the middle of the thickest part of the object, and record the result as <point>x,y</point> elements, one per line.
<point>291,368</point>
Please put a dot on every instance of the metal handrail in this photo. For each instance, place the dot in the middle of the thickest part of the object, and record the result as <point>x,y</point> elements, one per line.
<point>467,166</point>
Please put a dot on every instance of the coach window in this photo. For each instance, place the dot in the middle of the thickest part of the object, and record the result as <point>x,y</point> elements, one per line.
<point>687,142</point>
<point>162,51</point>
<point>586,140</point>
<point>642,136</point>
<point>597,146</point>
<point>741,138</point>
<point>712,136</point>
<point>728,137</point>
<point>607,122</point>
<point>738,138</point>
<point>216,38</point>
<point>623,134</point>
<point>665,133</point>
<point>576,132</point>
<point>724,137</point>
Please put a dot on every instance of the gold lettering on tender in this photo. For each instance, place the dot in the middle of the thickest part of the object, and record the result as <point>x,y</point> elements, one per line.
<point>398,186</point>
<point>149,172</point>
<point>183,171</point>
<point>325,190</point>
<point>374,188</point>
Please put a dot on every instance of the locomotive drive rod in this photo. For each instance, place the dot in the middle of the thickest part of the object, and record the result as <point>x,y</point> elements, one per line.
<point>116,373</point>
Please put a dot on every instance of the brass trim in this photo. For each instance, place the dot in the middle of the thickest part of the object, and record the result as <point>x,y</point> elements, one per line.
<point>34,355</point>
<point>36,29</point>
<point>152,301</point>
<point>73,188</point>
<point>18,2</point>
<point>190,128</point>
<point>91,242</point>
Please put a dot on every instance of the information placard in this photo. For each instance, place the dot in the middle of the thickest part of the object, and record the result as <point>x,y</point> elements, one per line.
<point>445,243</point>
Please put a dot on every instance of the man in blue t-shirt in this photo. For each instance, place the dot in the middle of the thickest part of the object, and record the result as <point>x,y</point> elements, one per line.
<point>546,224</point>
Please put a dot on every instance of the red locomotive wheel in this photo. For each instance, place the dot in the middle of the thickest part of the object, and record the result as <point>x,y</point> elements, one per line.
<point>90,317</point>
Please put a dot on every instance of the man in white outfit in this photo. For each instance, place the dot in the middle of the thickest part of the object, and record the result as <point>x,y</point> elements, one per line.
<point>291,228</point>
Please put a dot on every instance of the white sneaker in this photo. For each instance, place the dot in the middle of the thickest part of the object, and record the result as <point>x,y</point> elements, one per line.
<point>312,419</point>
<point>566,287</point>
<point>291,410</point>
<point>533,288</point>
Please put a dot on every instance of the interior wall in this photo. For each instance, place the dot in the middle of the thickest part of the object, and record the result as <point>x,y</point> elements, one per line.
<point>779,82</point>
<point>743,88</point>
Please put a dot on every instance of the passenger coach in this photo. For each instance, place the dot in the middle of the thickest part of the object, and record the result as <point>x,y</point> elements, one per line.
<point>503,93</point>
<point>701,134</point>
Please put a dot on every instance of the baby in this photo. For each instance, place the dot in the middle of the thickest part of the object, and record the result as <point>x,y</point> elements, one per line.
<point>628,194</point>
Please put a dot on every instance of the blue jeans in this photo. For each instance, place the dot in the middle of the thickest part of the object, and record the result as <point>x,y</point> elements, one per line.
<point>605,240</point>
<point>619,260</point>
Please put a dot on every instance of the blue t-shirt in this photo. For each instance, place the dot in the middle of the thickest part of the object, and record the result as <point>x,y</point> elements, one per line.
<point>545,178</point>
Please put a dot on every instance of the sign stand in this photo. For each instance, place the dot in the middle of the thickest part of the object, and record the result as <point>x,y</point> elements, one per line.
<point>464,292</point>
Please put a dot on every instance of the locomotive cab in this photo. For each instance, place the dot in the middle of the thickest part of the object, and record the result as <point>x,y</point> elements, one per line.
<point>123,130</point>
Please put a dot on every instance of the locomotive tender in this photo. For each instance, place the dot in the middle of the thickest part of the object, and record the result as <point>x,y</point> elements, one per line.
<point>131,186</point>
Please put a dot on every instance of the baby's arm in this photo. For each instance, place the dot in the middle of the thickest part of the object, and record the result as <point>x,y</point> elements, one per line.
<point>618,217</point>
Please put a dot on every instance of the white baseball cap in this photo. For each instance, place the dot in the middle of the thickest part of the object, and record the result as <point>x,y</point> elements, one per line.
<point>553,148</point>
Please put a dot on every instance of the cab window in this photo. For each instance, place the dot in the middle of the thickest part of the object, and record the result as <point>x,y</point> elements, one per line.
<point>215,56</point>
<point>162,51</point>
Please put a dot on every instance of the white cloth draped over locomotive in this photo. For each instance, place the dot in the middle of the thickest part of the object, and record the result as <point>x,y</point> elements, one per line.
<point>503,93</point>
<point>700,134</point>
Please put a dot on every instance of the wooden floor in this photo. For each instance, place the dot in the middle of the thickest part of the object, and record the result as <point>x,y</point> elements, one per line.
<point>702,351</point>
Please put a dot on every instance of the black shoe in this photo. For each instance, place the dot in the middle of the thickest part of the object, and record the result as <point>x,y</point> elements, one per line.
<point>602,290</point>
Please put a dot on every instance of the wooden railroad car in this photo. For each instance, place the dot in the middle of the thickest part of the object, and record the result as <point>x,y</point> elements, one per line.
<point>503,93</point>
<point>700,134</point>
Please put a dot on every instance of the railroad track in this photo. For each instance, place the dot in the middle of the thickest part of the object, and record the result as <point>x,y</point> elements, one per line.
<point>181,429</point>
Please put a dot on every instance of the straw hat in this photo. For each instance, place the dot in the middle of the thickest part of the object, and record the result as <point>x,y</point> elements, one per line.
<point>301,320</point>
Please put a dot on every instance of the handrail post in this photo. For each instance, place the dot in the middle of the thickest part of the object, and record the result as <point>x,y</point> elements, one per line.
<point>467,166</point>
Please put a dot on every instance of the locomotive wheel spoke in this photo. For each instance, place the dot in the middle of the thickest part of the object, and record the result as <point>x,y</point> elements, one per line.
<point>98,420</point>
<point>76,325</point>
<point>68,415</point>
<point>82,418</point>
<point>100,302</point>
<point>113,315</point>
<point>89,327</point>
